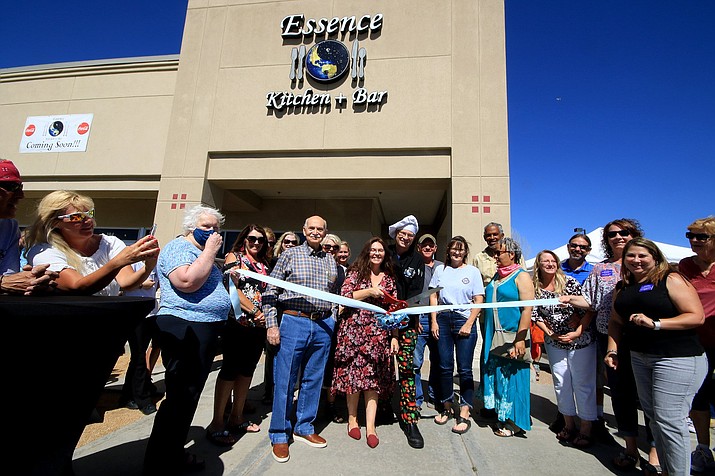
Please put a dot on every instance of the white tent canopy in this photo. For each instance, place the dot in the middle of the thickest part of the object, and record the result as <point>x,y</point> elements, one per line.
<point>672,252</point>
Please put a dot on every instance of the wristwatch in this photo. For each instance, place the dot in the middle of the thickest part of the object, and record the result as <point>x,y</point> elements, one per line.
<point>253,311</point>
<point>656,325</point>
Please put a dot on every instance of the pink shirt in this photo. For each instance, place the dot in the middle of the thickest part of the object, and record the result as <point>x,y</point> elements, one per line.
<point>705,286</point>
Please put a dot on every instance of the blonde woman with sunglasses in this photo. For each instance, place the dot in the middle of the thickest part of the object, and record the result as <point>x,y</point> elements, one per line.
<point>88,263</point>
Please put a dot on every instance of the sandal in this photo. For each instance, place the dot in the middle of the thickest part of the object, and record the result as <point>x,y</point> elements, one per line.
<point>625,461</point>
<point>458,421</point>
<point>220,438</point>
<point>566,434</point>
<point>582,441</point>
<point>446,414</point>
<point>508,433</point>
<point>652,470</point>
<point>243,427</point>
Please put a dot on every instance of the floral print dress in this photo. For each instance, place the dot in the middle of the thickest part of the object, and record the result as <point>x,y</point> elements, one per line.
<point>362,354</point>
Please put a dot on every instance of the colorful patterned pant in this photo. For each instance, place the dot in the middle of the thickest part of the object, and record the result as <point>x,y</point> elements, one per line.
<point>408,406</point>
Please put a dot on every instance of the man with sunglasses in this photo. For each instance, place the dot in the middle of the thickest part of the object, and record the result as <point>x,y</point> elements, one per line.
<point>29,280</point>
<point>576,265</point>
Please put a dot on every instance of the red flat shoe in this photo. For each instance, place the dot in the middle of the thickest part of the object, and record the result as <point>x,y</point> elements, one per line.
<point>372,441</point>
<point>354,433</point>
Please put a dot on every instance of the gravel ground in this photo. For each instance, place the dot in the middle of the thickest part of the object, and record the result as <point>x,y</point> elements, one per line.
<point>113,416</point>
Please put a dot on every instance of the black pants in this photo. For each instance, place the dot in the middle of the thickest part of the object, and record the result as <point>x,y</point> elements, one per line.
<point>188,350</point>
<point>137,382</point>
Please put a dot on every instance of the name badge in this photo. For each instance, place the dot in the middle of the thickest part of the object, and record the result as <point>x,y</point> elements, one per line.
<point>606,272</point>
<point>645,288</point>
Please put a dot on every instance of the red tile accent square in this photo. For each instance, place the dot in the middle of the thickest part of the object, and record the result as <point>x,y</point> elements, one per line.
<point>487,209</point>
<point>173,206</point>
<point>475,209</point>
<point>475,198</point>
<point>487,198</point>
<point>182,206</point>
<point>175,196</point>
<point>183,196</point>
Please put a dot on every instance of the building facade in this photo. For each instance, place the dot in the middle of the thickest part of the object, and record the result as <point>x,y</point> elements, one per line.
<point>359,111</point>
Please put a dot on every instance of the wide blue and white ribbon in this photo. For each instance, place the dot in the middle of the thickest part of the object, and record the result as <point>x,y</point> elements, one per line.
<point>389,320</point>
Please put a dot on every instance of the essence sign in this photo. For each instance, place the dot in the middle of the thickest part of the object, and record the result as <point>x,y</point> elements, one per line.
<point>325,62</point>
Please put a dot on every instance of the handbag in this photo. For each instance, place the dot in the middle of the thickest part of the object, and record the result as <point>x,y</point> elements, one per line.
<point>503,340</point>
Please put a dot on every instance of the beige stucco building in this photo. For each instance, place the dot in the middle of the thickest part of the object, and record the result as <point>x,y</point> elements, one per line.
<point>218,125</point>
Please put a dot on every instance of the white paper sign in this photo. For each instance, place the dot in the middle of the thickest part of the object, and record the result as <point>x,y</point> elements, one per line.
<point>68,133</point>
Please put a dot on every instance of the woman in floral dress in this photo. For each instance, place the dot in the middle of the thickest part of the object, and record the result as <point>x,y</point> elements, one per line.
<point>362,356</point>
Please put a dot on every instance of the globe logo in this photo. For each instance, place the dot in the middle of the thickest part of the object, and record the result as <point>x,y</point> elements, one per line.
<point>327,60</point>
<point>56,128</point>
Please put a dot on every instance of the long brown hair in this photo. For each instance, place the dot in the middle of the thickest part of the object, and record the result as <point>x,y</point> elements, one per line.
<point>661,269</point>
<point>624,223</point>
<point>239,246</point>
<point>361,265</point>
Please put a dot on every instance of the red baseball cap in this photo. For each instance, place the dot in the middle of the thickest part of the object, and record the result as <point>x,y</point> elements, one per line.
<point>8,172</point>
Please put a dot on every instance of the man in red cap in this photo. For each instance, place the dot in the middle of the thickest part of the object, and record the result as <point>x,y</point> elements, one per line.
<point>12,280</point>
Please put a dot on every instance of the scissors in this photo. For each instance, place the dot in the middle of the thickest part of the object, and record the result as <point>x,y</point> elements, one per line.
<point>399,304</point>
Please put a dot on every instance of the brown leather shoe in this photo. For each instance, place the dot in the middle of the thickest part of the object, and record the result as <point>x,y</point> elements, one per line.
<point>281,452</point>
<point>314,440</point>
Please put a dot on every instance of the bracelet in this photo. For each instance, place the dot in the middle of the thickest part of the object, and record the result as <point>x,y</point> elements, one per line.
<point>611,352</point>
<point>253,311</point>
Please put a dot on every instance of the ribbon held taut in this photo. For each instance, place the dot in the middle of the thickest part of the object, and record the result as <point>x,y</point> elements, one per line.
<point>388,320</point>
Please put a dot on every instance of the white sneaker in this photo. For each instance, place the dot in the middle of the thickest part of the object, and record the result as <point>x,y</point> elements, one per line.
<point>701,460</point>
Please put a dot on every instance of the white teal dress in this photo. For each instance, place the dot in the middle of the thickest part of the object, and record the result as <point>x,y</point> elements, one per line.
<point>506,382</point>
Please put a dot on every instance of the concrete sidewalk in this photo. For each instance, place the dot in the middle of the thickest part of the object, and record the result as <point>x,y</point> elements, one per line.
<point>478,451</point>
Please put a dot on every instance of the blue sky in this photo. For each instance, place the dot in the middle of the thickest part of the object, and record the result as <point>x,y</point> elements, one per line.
<point>611,103</point>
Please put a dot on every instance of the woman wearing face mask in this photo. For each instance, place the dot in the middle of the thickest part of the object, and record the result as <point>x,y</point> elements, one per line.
<point>193,309</point>
<point>242,339</point>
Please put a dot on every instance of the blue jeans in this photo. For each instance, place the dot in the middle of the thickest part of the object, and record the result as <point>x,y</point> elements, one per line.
<point>449,323</point>
<point>304,347</point>
<point>425,339</point>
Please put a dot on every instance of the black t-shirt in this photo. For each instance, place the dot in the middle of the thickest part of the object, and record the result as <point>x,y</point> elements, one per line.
<point>654,301</point>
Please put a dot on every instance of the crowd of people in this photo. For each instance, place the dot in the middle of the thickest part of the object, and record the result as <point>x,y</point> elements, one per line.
<point>632,323</point>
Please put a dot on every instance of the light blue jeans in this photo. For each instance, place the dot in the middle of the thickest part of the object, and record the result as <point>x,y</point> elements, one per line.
<point>304,346</point>
<point>666,387</point>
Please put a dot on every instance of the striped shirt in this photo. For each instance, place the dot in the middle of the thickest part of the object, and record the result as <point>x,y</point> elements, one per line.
<point>307,267</point>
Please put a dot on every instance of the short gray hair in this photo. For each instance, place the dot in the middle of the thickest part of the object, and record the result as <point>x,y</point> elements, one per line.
<point>192,215</point>
<point>492,223</point>
<point>511,246</point>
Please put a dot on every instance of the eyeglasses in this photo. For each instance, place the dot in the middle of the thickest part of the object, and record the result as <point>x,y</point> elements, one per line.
<point>698,236</point>
<point>77,216</point>
<point>405,234</point>
<point>499,252</point>
<point>255,239</point>
<point>290,242</point>
<point>331,247</point>
<point>573,246</point>
<point>11,187</point>
<point>612,234</point>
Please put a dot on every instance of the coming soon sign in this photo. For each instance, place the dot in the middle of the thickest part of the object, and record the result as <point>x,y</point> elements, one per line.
<point>68,133</point>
